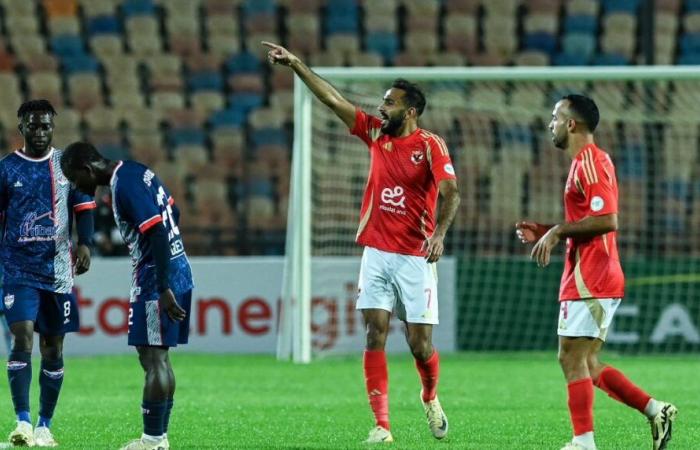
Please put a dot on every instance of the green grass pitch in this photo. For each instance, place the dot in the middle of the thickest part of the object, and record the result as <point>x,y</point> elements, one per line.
<point>494,401</point>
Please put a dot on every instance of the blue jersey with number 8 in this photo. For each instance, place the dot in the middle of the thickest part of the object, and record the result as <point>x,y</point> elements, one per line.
<point>140,202</point>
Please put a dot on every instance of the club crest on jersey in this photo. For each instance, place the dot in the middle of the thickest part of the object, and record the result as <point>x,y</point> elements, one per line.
<point>9,300</point>
<point>388,146</point>
<point>417,157</point>
<point>18,184</point>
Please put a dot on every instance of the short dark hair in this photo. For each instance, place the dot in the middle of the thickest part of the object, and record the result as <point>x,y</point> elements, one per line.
<point>35,106</point>
<point>79,154</point>
<point>585,110</point>
<point>414,95</point>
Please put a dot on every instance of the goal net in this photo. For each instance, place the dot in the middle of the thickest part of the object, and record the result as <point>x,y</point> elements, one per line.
<point>494,122</point>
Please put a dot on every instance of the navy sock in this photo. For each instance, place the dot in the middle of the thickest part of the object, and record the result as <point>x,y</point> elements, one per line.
<point>166,417</point>
<point>153,415</point>
<point>50,381</point>
<point>19,373</point>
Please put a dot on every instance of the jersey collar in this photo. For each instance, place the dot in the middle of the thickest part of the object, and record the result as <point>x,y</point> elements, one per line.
<point>21,153</point>
<point>114,173</point>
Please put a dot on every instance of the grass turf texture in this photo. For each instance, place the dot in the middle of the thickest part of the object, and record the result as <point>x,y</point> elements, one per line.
<point>493,401</point>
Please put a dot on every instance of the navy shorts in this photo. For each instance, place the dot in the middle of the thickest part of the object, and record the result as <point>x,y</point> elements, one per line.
<point>149,326</point>
<point>53,314</point>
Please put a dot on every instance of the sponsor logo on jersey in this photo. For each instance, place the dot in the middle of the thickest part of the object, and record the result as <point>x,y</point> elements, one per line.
<point>449,169</point>
<point>147,177</point>
<point>18,184</point>
<point>30,230</point>
<point>9,300</point>
<point>597,204</point>
<point>388,146</point>
<point>393,199</point>
<point>417,157</point>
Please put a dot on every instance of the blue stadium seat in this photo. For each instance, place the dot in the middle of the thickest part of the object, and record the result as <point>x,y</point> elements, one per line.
<point>259,7</point>
<point>227,118</point>
<point>515,134</point>
<point>582,44</point>
<point>610,59</point>
<point>628,6</point>
<point>269,136</point>
<point>340,7</point>
<point>138,8</point>
<point>581,24</point>
<point>243,62</point>
<point>186,136</point>
<point>689,59</point>
<point>628,163</point>
<point>260,187</point>
<point>570,59</point>
<point>114,152</point>
<point>205,81</point>
<point>676,189</point>
<point>341,24</point>
<point>103,25</point>
<point>541,41</point>
<point>690,43</point>
<point>245,101</point>
<point>80,63</point>
<point>384,43</point>
<point>67,45</point>
<point>692,6</point>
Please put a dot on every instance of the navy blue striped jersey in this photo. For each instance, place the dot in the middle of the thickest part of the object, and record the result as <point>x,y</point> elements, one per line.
<point>37,203</point>
<point>139,202</point>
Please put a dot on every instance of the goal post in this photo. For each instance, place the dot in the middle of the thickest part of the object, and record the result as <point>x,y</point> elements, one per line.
<point>494,122</point>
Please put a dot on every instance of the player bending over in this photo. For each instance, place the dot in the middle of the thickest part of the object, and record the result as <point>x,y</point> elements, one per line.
<point>592,284</point>
<point>402,239</point>
<point>161,290</point>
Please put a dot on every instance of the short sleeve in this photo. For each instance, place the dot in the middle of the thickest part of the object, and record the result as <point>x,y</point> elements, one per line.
<point>597,178</point>
<point>439,159</point>
<point>81,201</point>
<point>367,127</point>
<point>137,202</point>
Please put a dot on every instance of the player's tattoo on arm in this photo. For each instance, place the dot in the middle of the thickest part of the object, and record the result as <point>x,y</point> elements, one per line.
<point>448,205</point>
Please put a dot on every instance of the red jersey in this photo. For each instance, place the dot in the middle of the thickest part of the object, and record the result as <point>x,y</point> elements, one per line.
<point>398,207</point>
<point>592,267</point>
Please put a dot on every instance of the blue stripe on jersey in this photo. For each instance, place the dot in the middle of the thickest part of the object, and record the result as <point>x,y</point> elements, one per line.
<point>139,199</point>
<point>37,202</point>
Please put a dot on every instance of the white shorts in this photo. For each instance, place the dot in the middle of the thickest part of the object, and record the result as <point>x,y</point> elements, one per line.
<point>587,318</point>
<point>387,277</point>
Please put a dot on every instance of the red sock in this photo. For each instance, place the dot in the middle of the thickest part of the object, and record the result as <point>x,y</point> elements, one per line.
<point>581,405</point>
<point>429,371</point>
<point>619,387</point>
<point>377,382</point>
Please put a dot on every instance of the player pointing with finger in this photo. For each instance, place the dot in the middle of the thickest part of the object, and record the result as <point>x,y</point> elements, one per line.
<point>399,229</point>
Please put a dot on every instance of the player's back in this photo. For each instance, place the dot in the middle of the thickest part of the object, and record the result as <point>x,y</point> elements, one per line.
<point>139,202</point>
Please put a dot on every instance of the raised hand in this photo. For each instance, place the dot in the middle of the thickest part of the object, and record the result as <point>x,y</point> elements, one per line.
<point>529,232</point>
<point>279,54</point>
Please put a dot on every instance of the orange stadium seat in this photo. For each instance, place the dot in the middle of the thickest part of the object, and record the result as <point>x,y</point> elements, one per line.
<point>60,8</point>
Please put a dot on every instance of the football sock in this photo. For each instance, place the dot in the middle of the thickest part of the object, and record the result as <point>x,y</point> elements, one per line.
<point>166,416</point>
<point>377,382</point>
<point>153,414</point>
<point>652,408</point>
<point>586,439</point>
<point>619,387</point>
<point>19,374</point>
<point>429,371</point>
<point>50,381</point>
<point>581,405</point>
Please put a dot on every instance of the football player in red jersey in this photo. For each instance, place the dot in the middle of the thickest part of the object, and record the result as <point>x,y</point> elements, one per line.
<point>399,229</point>
<point>592,284</point>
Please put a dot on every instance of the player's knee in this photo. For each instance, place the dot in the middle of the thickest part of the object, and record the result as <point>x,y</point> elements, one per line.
<point>421,348</point>
<point>376,337</point>
<point>22,342</point>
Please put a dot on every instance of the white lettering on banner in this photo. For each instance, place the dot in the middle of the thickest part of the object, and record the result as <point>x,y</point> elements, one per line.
<point>235,307</point>
<point>623,337</point>
<point>675,321</point>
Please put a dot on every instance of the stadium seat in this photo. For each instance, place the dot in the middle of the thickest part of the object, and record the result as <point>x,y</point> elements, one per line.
<point>22,25</point>
<point>165,101</point>
<point>67,45</point>
<point>629,6</point>
<point>327,59</point>
<point>79,63</point>
<point>253,8</point>
<point>227,118</point>
<point>375,23</point>
<point>205,81</point>
<point>223,45</point>
<point>542,41</point>
<point>356,59</point>
<point>411,59</point>
<point>690,43</point>
<point>469,7</point>
<point>95,8</point>
<point>532,58</point>
<point>182,8</point>
<point>64,25</point>
<point>448,59</point>
<point>186,136</point>
<point>385,44</point>
<point>667,6</point>
<point>583,7</point>
<point>541,22</point>
<point>243,62</point>
<point>421,42</point>
<point>206,102</point>
<point>60,8</point>
<point>131,8</point>
<point>103,24</point>
<point>570,59</point>
<point>581,44</point>
<point>581,24</point>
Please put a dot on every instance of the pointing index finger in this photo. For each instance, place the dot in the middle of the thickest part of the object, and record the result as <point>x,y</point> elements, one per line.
<point>269,44</point>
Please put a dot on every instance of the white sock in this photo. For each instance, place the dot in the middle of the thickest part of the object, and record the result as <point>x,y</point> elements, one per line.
<point>585,439</point>
<point>149,438</point>
<point>652,408</point>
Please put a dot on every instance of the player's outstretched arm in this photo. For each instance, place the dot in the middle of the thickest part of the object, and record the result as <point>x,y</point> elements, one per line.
<point>449,193</point>
<point>529,232</point>
<point>322,89</point>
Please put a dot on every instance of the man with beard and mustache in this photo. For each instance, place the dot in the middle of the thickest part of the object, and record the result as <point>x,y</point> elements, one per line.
<point>37,204</point>
<point>402,239</point>
<point>592,284</point>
